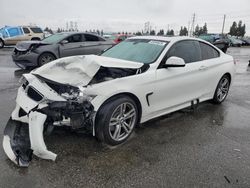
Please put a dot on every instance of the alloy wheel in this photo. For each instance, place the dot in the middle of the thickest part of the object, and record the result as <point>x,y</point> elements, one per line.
<point>223,89</point>
<point>122,121</point>
<point>46,59</point>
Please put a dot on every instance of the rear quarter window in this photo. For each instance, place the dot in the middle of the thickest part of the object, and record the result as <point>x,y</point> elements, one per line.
<point>26,30</point>
<point>36,30</point>
<point>208,52</point>
<point>90,38</point>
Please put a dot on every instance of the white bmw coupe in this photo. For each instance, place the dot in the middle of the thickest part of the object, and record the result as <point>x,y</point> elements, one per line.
<point>137,80</point>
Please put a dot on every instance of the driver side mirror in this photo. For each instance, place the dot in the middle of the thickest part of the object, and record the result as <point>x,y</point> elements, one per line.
<point>174,62</point>
<point>64,42</point>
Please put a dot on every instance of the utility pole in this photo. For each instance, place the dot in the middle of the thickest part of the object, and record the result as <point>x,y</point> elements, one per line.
<point>188,27</point>
<point>224,18</point>
<point>192,25</point>
<point>147,27</point>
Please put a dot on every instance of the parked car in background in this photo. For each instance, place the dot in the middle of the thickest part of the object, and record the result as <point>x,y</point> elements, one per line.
<point>133,82</point>
<point>246,41</point>
<point>13,35</point>
<point>119,37</point>
<point>219,40</point>
<point>37,53</point>
<point>235,42</point>
<point>106,35</point>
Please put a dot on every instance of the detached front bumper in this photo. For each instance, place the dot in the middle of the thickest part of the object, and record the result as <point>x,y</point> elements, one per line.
<point>16,143</point>
<point>21,140</point>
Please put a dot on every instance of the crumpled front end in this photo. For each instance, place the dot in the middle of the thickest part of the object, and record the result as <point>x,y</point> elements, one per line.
<point>41,105</point>
<point>58,94</point>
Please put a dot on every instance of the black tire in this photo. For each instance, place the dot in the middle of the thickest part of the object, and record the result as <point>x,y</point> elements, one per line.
<point>105,131</point>
<point>222,89</point>
<point>45,58</point>
<point>1,43</point>
<point>224,49</point>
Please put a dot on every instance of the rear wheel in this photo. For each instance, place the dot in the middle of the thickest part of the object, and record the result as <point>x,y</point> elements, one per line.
<point>116,120</point>
<point>45,58</point>
<point>1,43</point>
<point>222,89</point>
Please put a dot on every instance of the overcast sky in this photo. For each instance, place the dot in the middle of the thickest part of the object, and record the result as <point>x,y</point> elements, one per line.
<point>125,15</point>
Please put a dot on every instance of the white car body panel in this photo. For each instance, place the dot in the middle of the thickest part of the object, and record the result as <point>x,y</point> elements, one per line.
<point>82,67</point>
<point>159,91</point>
<point>36,121</point>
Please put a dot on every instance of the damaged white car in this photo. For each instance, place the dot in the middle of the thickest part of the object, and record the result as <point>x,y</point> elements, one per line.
<point>137,80</point>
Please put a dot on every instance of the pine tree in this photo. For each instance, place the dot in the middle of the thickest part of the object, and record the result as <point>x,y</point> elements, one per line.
<point>152,32</point>
<point>233,29</point>
<point>181,32</point>
<point>138,33</point>
<point>161,32</point>
<point>185,31</point>
<point>204,29</point>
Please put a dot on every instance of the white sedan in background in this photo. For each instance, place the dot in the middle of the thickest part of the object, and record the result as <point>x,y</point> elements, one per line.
<point>137,80</point>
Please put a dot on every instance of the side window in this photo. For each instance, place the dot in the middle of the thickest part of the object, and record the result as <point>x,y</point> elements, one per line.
<point>26,30</point>
<point>187,50</point>
<point>36,30</point>
<point>208,52</point>
<point>14,31</point>
<point>89,37</point>
<point>100,39</point>
<point>75,38</point>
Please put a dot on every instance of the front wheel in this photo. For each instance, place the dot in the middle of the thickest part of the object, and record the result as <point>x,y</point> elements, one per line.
<point>116,120</point>
<point>45,58</point>
<point>222,89</point>
<point>1,43</point>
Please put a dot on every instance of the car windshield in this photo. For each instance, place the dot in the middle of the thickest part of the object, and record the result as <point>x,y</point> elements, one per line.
<point>55,38</point>
<point>138,50</point>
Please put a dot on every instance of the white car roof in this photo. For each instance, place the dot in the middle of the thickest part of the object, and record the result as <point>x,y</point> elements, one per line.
<point>163,38</point>
<point>173,39</point>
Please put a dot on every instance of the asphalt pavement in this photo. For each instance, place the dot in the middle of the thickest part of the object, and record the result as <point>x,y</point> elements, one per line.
<point>208,147</point>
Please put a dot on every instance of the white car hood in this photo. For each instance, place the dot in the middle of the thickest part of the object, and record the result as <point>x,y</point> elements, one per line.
<point>79,70</point>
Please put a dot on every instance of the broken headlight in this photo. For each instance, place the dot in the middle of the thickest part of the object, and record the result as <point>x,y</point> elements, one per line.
<point>76,94</point>
<point>70,93</point>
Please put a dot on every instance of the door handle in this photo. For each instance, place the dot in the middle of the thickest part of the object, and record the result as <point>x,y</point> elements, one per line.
<point>203,67</point>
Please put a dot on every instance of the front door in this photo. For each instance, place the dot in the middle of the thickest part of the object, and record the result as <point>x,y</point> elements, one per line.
<point>177,86</point>
<point>74,46</point>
